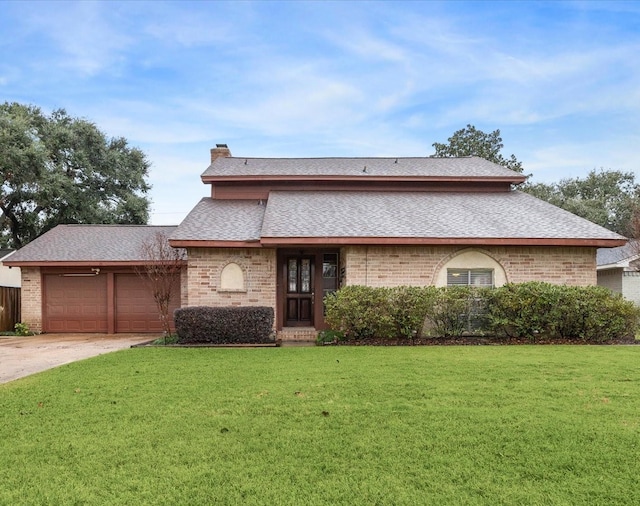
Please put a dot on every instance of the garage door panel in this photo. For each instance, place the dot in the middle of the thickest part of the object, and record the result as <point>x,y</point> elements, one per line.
<point>75,304</point>
<point>136,310</point>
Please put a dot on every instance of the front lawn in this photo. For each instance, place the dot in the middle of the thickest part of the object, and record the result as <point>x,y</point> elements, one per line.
<point>329,425</point>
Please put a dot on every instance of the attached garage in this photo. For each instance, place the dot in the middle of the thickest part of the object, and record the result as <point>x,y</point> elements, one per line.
<point>107,302</point>
<point>82,278</point>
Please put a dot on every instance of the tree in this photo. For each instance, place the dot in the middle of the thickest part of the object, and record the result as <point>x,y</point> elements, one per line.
<point>58,169</point>
<point>609,198</point>
<point>470,141</point>
<point>161,273</point>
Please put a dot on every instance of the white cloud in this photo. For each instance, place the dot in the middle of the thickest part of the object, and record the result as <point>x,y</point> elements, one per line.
<point>86,39</point>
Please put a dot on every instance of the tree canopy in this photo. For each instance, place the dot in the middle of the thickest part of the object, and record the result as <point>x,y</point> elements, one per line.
<point>470,141</point>
<point>610,198</point>
<point>58,169</point>
<point>607,197</point>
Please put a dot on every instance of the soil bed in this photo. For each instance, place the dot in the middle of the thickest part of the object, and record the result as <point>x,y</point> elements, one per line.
<point>475,341</point>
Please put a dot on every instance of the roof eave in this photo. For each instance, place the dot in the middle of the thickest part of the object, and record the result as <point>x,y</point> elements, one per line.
<point>79,263</point>
<point>208,179</point>
<point>486,241</point>
<point>197,243</point>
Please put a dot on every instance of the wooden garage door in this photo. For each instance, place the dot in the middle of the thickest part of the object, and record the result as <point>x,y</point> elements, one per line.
<point>136,311</point>
<point>75,304</point>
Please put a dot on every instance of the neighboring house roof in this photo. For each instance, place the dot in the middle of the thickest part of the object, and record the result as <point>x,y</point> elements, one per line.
<point>97,245</point>
<point>473,167</point>
<point>620,257</point>
<point>5,253</point>
<point>341,217</point>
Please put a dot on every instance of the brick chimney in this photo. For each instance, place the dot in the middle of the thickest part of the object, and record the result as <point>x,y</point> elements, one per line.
<point>219,151</point>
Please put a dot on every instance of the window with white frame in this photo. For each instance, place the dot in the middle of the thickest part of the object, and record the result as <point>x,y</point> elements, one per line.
<point>470,277</point>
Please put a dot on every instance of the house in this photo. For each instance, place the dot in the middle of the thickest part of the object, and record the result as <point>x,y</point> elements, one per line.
<point>9,293</point>
<point>285,232</point>
<point>617,269</point>
<point>9,276</point>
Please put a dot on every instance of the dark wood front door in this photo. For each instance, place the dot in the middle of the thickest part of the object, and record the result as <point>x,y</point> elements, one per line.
<point>299,291</point>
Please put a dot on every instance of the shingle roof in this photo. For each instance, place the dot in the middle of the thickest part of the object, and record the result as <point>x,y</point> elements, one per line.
<point>90,243</point>
<point>402,215</point>
<point>463,167</point>
<point>610,256</point>
<point>423,214</point>
<point>222,220</point>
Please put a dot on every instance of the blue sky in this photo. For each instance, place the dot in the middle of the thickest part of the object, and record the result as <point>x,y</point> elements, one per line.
<point>561,80</point>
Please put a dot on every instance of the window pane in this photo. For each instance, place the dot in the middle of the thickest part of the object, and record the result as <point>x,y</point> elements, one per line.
<point>292,275</point>
<point>330,266</point>
<point>457,277</point>
<point>481,277</point>
<point>470,277</point>
<point>305,275</point>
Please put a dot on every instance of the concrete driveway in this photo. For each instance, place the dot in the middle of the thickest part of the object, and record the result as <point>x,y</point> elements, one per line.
<point>22,356</point>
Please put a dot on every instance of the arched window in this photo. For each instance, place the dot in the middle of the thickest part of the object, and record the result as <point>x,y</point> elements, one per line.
<point>471,268</point>
<point>232,278</point>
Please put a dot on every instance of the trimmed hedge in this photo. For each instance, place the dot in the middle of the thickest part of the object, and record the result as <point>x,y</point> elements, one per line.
<point>224,325</point>
<point>537,310</point>
<point>532,310</point>
<point>363,312</point>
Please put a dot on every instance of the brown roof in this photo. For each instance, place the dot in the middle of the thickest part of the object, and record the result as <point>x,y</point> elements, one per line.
<point>96,244</point>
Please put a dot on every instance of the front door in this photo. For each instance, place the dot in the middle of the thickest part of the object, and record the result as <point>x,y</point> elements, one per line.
<point>299,291</point>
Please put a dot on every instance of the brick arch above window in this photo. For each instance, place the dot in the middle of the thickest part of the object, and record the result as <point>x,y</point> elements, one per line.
<point>471,258</point>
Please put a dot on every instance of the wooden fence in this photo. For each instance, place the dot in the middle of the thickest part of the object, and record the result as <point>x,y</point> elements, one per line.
<point>9,307</point>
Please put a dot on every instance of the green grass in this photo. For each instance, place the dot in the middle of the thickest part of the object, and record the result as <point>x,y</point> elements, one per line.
<point>329,425</point>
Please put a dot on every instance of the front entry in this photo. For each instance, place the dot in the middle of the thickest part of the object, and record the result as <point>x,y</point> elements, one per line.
<point>300,295</point>
<point>305,277</point>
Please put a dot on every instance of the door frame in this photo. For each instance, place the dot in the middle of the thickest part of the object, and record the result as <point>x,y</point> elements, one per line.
<point>281,283</point>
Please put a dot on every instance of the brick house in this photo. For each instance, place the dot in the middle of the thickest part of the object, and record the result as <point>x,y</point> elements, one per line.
<point>618,270</point>
<point>284,232</point>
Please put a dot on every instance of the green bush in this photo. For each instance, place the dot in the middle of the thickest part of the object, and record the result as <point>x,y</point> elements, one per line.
<point>532,310</point>
<point>457,310</point>
<point>360,312</point>
<point>525,309</point>
<point>408,307</point>
<point>329,336</point>
<point>22,329</point>
<point>604,315</point>
<point>537,310</point>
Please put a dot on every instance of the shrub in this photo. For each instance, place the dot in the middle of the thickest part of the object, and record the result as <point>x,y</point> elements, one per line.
<point>360,312</point>
<point>535,309</point>
<point>457,310</point>
<point>524,309</point>
<point>603,315</point>
<point>224,325</point>
<point>531,310</point>
<point>22,329</point>
<point>329,337</point>
<point>408,307</point>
